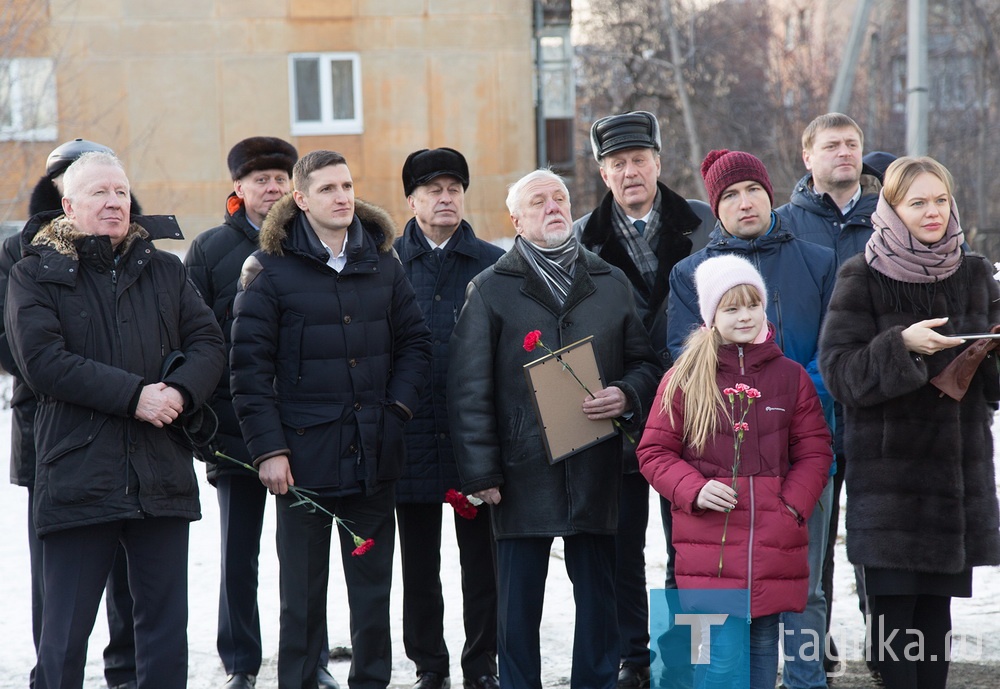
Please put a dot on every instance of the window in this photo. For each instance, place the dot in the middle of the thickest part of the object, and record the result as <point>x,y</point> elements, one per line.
<point>28,100</point>
<point>558,94</point>
<point>325,93</point>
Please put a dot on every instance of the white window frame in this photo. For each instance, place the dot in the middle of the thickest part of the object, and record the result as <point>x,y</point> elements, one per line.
<point>326,124</point>
<point>21,128</point>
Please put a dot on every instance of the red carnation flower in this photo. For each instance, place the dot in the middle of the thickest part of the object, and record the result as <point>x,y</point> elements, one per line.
<point>742,387</point>
<point>364,547</point>
<point>463,507</point>
<point>753,393</point>
<point>531,340</point>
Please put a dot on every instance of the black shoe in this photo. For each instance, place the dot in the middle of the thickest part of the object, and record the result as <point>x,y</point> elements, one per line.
<point>633,676</point>
<point>324,680</point>
<point>240,680</point>
<point>432,680</point>
<point>484,682</point>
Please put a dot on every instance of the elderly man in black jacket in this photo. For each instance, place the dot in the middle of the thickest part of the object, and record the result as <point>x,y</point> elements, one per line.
<point>93,311</point>
<point>330,352</point>
<point>547,282</point>
<point>440,254</point>
<point>119,654</point>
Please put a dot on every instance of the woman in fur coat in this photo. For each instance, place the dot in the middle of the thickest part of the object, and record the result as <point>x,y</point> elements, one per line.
<point>922,505</point>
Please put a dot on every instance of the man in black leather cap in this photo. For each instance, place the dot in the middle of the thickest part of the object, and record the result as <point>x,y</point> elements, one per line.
<point>119,655</point>
<point>644,228</point>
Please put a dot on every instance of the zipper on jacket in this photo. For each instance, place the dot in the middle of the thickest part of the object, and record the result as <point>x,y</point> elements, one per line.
<point>776,298</point>
<point>739,348</point>
<point>750,542</point>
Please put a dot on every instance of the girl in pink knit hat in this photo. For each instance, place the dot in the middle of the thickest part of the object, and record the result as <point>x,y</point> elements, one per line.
<point>739,446</point>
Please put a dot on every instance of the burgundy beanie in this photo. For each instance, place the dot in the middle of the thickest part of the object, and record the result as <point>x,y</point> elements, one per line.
<point>723,168</point>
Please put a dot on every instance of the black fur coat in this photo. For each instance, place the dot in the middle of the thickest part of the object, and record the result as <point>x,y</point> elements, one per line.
<point>921,492</point>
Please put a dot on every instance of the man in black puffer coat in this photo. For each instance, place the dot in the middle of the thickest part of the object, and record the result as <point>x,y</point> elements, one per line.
<point>440,254</point>
<point>93,310</point>
<point>261,168</point>
<point>119,655</point>
<point>330,353</point>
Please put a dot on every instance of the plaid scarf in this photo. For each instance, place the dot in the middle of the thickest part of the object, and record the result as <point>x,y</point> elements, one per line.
<point>641,248</point>
<point>555,266</point>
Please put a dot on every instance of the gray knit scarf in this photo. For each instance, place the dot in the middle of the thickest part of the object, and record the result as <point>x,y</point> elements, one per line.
<point>897,254</point>
<point>555,266</point>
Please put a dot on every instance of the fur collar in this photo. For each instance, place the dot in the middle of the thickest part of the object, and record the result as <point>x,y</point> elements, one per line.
<point>375,221</point>
<point>61,236</point>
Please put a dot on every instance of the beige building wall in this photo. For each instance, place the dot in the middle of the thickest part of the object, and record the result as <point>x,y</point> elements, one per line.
<point>171,86</point>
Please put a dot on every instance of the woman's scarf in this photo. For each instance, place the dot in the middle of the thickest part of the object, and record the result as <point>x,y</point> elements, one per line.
<point>897,254</point>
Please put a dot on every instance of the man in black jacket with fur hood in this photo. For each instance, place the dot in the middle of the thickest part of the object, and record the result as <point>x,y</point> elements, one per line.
<point>94,311</point>
<point>119,655</point>
<point>330,352</point>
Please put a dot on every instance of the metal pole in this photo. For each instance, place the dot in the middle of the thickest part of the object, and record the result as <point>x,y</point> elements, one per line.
<point>916,78</point>
<point>541,147</point>
<point>840,99</point>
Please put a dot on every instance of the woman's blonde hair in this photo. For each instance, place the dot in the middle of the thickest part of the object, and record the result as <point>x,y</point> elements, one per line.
<point>694,374</point>
<point>901,172</point>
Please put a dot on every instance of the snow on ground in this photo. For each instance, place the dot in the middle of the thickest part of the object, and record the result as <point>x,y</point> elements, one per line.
<point>974,620</point>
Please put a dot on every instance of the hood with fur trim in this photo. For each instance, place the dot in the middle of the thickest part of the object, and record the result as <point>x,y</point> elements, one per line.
<point>375,221</point>
<point>61,235</point>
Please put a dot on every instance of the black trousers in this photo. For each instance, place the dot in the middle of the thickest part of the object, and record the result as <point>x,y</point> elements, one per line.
<point>927,665</point>
<point>523,565</point>
<point>76,564</point>
<point>119,655</point>
<point>303,544</point>
<point>423,602</point>
<point>667,519</point>
<point>630,570</point>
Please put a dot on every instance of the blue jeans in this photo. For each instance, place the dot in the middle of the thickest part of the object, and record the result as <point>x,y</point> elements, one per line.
<point>727,654</point>
<point>804,633</point>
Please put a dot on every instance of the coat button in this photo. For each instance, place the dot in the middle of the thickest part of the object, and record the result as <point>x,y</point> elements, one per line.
<point>353,362</point>
<point>437,297</point>
<point>352,449</point>
<point>300,431</point>
<point>357,406</point>
<point>347,319</point>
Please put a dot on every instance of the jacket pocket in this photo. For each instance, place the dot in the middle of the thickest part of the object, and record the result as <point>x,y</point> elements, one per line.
<point>169,319</point>
<point>78,469</point>
<point>76,319</point>
<point>289,359</point>
<point>391,448</point>
<point>319,438</point>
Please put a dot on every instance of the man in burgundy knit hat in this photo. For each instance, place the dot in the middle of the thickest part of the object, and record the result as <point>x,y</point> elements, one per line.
<point>799,277</point>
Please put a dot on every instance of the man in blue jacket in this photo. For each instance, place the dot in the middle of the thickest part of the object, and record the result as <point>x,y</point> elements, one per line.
<point>330,353</point>
<point>440,254</point>
<point>832,206</point>
<point>799,277</point>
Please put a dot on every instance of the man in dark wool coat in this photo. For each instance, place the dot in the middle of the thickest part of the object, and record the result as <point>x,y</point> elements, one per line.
<point>440,254</point>
<point>550,283</point>
<point>119,655</point>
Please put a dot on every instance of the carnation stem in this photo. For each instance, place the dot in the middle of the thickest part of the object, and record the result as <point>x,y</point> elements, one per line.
<point>301,498</point>
<point>567,367</point>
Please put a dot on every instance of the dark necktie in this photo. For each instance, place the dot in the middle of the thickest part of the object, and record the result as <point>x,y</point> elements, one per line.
<point>640,225</point>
